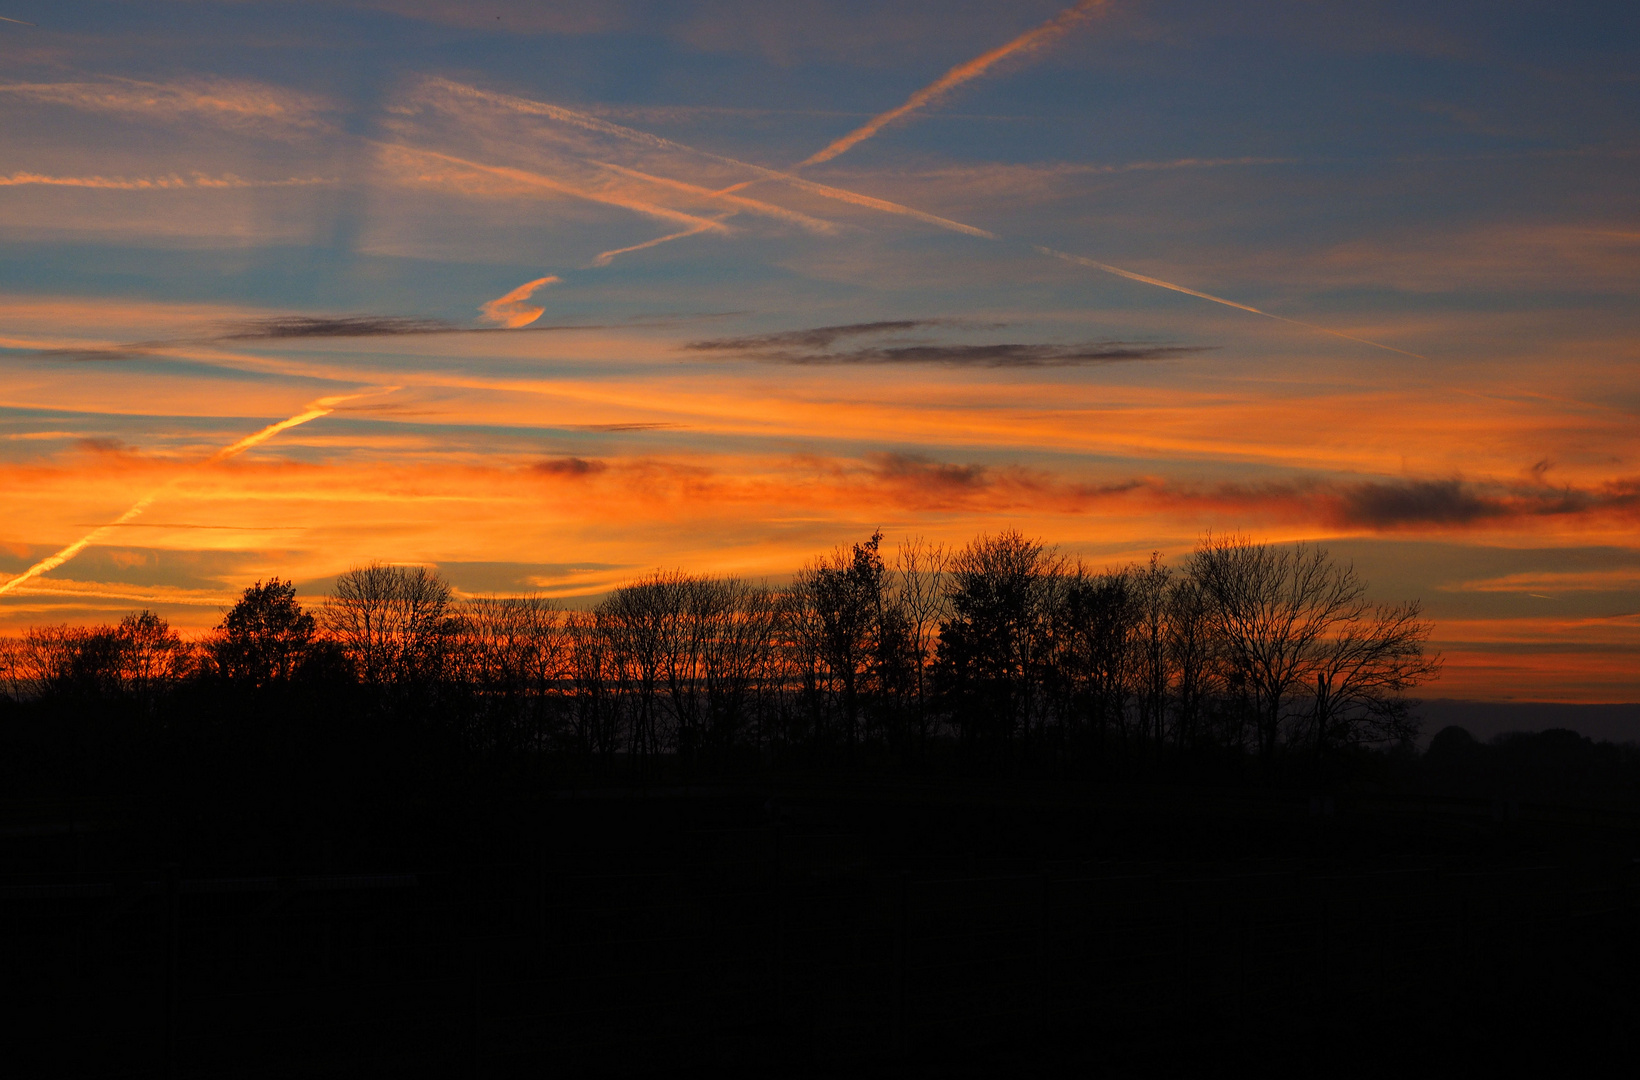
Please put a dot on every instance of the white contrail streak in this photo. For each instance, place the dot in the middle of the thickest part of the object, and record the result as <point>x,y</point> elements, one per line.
<point>1080,260</point>
<point>593,123</point>
<point>322,407</point>
<point>644,138</point>
<point>1030,41</point>
<point>52,562</point>
<point>606,257</point>
<point>548,183</point>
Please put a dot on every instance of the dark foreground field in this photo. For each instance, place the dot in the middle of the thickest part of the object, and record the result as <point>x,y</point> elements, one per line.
<point>825,928</point>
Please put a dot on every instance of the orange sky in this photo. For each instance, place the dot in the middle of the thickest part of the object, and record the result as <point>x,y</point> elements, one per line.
<point>573,321</point>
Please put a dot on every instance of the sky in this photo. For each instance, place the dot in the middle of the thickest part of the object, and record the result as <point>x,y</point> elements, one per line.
<point>550,295</point>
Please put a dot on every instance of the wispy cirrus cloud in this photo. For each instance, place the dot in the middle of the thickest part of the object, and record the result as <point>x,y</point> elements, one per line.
<point>156,183</point>
<point>413,165</point>
<point>460,99</point>
<point>236,103</point>
<point>444,94</point>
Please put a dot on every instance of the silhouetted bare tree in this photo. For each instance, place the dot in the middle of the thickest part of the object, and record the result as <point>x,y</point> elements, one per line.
<point>139,659</point>
<point>595,705</point>
<point>1361,671</point>
<point>633,620</point>
<point>393,622</point>
<point>1193,657</point>
<point>920,570</point>
<point>150,656</point>
<point>1289,617</point>
<point>1151,587</point>
<point>511,654</point>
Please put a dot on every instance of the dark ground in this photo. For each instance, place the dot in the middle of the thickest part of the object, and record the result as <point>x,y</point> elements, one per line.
<point>801,927</point>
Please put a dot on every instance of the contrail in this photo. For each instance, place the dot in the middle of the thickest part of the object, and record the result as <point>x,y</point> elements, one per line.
<point>1071,16</point>
<point>644,138</point>
<point>813,224</point>
<point>19,22</point>
<point>319,408</point>
<point>510,311</point>
<point>537,180</point>
<point>1131,276</point>
<point>52,562</point>
<point>323,407</point>
<point>1029,41</point>
<point>606,257</point>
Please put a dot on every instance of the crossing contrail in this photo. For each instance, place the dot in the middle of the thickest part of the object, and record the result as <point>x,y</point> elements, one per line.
<point>601,126</point>
<point>1061,23</point>
<point>1031,40</point>
<point>322,407</point>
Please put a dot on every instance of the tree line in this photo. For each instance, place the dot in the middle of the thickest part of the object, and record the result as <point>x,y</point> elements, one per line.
<point>997,655</point>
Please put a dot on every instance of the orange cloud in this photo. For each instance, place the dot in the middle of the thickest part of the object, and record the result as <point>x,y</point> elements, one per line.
<point>511,311</point>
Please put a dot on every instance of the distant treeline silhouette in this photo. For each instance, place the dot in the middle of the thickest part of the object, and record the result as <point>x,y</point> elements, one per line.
<point>999,655</point>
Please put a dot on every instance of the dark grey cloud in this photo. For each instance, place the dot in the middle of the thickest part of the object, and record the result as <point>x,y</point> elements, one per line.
<point>927,473</point>
<point>622,427</point>
<point>569,467</point>
<point>1004,354</point>
<point>819,337</point>
<point>816,347</point>
<point>100,444</point>
<point>310,326</point>
<point>296,327</point>
<point>112,353</point>
<point>1414,502</point>
<point>1394,504</point>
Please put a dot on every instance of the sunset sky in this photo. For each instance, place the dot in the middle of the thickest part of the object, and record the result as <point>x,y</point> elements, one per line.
<point>560,293</point>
